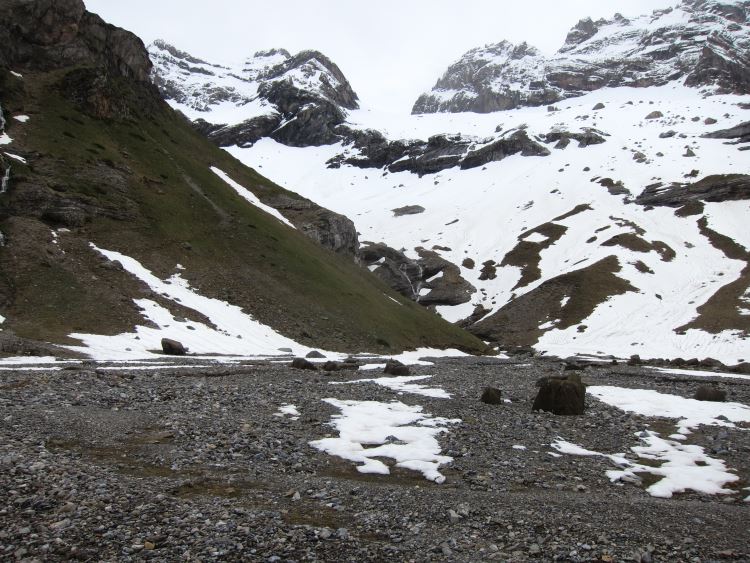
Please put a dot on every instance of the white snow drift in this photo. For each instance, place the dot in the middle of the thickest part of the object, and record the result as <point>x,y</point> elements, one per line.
<point>369,430</point>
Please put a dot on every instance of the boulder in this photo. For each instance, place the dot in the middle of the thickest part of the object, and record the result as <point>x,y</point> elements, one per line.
<point>173,347</point>
<point>335,366</point>
<point>561,396</point>
<point>408,210</point>
<point>302,363</point>
<point>635,360</point>
<point>314,354</point>
<point>394,367</point>
<point>492,396</point>
<point>706,393</point>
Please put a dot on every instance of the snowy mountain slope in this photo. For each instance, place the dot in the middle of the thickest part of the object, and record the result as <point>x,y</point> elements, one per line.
<point>702,43</point>
<point>594,267</point>
<point>569,227</point>
<point>297,99</point>
<point>90,154</point>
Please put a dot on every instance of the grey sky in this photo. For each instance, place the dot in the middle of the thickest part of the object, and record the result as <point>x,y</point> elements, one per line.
<point>391,50</point>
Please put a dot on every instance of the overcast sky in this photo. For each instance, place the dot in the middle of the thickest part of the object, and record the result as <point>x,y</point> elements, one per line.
<point>390,50</point>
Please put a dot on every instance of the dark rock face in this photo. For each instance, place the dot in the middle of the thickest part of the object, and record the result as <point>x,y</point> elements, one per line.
<point>706,45</point>
<point>740,132</point>
<point>726,187</point>
<point>394,367</point>
<point>517,142</point>
<point>492,396</point>
<point>50,34</point>
<point>439,152</point>
<point>429,280</point>
<point>172,347</point>
<point>297,100</point>
<point>705,393</point>
<point>561,396</point>
<point>243,134</point>
<point>329,229</point>
<point>587,136</point>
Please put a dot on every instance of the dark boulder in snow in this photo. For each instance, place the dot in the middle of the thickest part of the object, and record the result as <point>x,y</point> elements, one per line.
<point>408,210</point>
<point>172,347</point>
<point>394,367</point>
<point>314,354</point>
<point>561,396</point>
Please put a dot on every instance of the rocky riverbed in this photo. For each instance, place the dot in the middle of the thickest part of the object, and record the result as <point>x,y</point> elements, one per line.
<point>197,463</point>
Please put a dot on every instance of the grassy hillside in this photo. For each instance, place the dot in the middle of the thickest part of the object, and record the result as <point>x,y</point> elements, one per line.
<point>118,168</point>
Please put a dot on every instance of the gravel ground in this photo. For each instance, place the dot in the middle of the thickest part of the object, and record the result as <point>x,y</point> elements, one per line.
<point>192,464</point>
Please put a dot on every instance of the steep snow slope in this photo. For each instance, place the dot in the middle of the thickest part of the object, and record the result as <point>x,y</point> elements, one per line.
<point>536,220</point>
<point>703,43</point>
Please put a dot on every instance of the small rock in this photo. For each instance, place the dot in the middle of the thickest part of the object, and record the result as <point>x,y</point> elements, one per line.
<point>314,354</point>
<point>706,393</point>
<point>492,396</point>
<point>302,363</point>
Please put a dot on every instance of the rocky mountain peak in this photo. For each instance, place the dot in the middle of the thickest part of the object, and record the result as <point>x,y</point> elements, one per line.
<point>700,43</point>
<point>297,99</point>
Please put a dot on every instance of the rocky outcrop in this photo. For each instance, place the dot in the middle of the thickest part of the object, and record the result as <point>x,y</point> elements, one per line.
<point>51,34</point>
<point>703,43</point>
<point>329,229</point>
<point>740,133</point>
<point>429,280</point>
<point>439,152</point>
<point>297,100</point>
<point>722,187</point>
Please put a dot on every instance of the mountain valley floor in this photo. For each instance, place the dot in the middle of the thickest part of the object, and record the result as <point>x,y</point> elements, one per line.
<point>205,462</point>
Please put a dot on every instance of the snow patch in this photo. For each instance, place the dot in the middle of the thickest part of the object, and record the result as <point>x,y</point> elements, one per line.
<point>234,332</point>
<point>403,384</point>
<point>682,467</point>
<point>21,118</point>
<point>369,430</point>
<point>15,157</point>
<point>288,410</point>
<point>251,197</point>
<point>698,373</point>
<point>689,413</point>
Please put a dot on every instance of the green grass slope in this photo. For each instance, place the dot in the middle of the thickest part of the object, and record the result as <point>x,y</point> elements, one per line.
<point>117,167</point>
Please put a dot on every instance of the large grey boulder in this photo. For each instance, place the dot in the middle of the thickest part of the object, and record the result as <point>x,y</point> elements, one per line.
<point>561,396</point>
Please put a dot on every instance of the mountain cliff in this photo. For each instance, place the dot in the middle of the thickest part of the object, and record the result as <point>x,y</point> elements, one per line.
<point>297,100</point>
<point>700,43</point>
<point>122,225</point>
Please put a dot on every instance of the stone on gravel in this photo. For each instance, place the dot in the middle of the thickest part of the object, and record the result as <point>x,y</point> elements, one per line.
<point>561,396</point>
<point>302,363</point>
<point>492,396</point>
<point>706,393</point>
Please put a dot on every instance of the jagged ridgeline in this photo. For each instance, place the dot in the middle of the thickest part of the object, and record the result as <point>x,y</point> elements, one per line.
<point>99,158</point>
<point>703,43</point>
